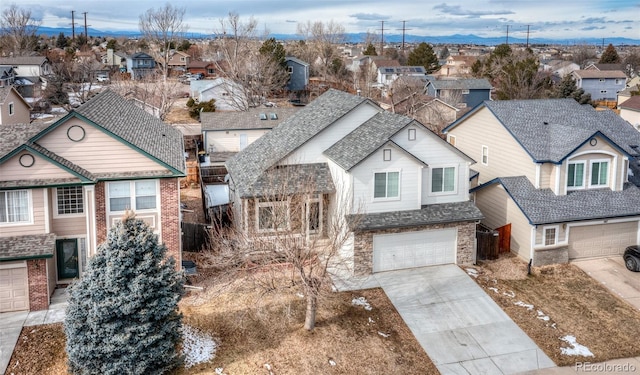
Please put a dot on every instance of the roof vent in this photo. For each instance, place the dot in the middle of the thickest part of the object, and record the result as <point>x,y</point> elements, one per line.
<point>263,116</point>
<point>545,122</point>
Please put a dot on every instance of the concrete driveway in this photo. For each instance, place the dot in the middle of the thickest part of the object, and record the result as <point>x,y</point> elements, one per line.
<point>612,273</point>
<point>459,326</point>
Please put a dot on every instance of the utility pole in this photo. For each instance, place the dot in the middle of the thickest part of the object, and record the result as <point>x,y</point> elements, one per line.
<point>86,35</point>
<point>528,35</point>
<point>507,34</point>
<point>403,31</point>
<point>73,26</point>
<point>381,38</point>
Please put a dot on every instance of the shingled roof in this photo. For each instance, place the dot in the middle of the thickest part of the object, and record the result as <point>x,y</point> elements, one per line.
<point>551,129</point>
<point>254,118</point>
<point>136,127</point>
<point>542,206</point>
<point>14,136</point>
<point>459,84</point>
<point>592,73</point>
<point>248,166</point>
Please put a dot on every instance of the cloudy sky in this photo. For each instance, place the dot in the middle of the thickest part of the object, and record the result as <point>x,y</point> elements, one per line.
<point>556,19</point>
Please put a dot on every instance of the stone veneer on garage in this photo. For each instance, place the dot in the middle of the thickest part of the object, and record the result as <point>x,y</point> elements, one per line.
<point>363,244</point>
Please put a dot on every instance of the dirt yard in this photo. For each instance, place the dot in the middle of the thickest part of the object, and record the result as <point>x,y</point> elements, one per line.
<point>260,332</point>
<point>559,301</point>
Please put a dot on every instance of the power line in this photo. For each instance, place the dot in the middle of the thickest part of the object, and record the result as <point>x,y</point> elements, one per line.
<point>403,31</point>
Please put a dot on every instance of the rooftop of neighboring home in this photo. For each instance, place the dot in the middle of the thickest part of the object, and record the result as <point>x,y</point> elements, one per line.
<point>254,118</point>
<point>459,84</point>
<point>592,73</point>
<point>633,103</point>
<point>296,60</point>
<point>23,60</point>
<point>4,94</point>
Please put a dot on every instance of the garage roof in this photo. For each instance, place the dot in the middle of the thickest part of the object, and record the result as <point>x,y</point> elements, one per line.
<point>27,247</point>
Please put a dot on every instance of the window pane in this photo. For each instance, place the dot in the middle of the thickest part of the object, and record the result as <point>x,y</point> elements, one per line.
<point>380,185</point>
<point>604,170</point>
<point>3,207</point>
<point>119,189</point>
<point>579,175</point>
<point>17,206</point>
<point>571,175</point>
<point>449,178</point>
<point>393,183</point>
<point>119,204</point>
<point>436,180</point>
<point>595,171</point>
<point>145,203</point>
<point>550,236</point>
<point>70,200</point>
<point>145,195</point>
<point>145,188</point>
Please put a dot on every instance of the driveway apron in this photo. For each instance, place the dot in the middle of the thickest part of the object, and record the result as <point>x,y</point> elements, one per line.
<point>459,326</point>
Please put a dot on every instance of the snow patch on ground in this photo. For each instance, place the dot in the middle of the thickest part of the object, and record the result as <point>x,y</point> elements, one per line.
<point>385,335</point>
<point>332,362</point>
<point>575,349</point>
<point>495,290</point>
<point>472,272</point>
<point>197,346</point>
<point>520,303</point>
<point>361,301</point>
<point>510,294</point>
<point>543,316</point>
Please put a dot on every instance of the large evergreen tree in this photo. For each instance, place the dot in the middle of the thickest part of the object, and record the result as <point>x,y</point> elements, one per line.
<point>567,88</point>
<point>370,51</point>
<point>274,50</point>
<point>122,316</point>
<point>610,56</point>
<point>423,55</point>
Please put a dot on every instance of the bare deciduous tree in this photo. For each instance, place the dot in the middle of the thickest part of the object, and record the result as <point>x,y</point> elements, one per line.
<point>155,97</point>
<point>18,30</point>
<point>323,38</point>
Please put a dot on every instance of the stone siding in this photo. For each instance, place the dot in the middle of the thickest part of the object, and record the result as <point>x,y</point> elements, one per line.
<point>545,257</point>
<point>363,244</point>
<point>38,284</point>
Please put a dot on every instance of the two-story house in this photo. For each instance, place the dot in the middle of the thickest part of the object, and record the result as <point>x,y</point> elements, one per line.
<point>13,108</point>
<point>402,189</point>
<point>556,172</point>
<point>140,65</point>
<point>457,66</point>
<point>601,84</point>
<point>63,185</point>
<point>7,75</point>
<point>30,72</point>
<point>298,74</point>
<point>461,92</point>
<point>386,75</point>
<point>179,61</point>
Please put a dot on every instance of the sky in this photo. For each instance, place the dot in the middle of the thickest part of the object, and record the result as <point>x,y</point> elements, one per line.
<point>554,19</point>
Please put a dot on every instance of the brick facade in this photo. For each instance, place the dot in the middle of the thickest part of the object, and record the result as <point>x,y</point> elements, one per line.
<point>170,218</point>
<point>101,213</point>
<point>38,285</point>
<point>363,244</point>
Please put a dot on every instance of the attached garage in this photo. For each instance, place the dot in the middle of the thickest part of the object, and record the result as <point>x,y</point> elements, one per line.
<point>601,240</point>
<point>414,249</point>
<point>14,287</point>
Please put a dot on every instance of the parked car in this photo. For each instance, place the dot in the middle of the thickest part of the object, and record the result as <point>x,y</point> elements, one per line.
<point>632,258</point>
<point>102,78</point>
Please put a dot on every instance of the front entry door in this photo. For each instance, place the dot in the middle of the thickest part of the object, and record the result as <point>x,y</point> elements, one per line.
<point>67,254</point>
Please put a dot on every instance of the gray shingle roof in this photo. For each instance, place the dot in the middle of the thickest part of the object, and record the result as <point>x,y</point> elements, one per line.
<point>460,84</point>
<point>27,247</point>
<point>542,206</point>
<point>592,73</point>
<point>550,129</point>
<point>249,164</point>
<point>366,139</point>
<point>16,135</point>
<point>23,60</point>
<point>243,120</point>
<point>295,178</point>
<point>429,214</point>
<point>135,126</point>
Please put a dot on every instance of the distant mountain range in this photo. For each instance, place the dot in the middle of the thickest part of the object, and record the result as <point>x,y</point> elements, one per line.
<point>393,38</point>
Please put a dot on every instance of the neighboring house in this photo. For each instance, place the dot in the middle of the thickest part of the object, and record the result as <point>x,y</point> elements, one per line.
<point>140,65</point>
<point>432,112</point>
<point>206,68</point>
<point>601,84</point>
<point>633,82</point>
<point>179,61</point>
<point>228,95</point>
<point>386,75</point>
<point>298,74</point>
<point>63,185</point>
<point>401,188</point>
<point>461,92</point>
<point>560,68</point>
<point>630,111</point>
<point>555,173</point>
<point>233,131</point>
<point>457,66</point>
<point>7,75</point>
<point>116,60</point>
<point>13,108</point>
<point>605,67</point>
<point>625,94</point>
<point>28,66</point>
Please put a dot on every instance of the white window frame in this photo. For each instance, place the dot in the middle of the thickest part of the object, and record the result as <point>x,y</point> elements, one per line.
<point>556,229</point>
<point>591,163</point>
<point>29,208</point>
<point>132,196</point>
<point>307,214</point>
<point>386,197</point>
<point>290,69</point>
<point>484,156</point>
<point>455,180</point>
<point>465,91</point>
<point>386,154</point>
<point>412,134</point>
<point>284,203</point>
<point>56,210</point>
<point>12,109</point>
<point>584,175</point>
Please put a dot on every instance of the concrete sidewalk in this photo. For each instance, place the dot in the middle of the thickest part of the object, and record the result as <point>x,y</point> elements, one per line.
<point>11,324</point>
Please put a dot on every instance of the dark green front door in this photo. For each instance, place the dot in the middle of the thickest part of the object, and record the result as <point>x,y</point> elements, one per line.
<point>67,254</point>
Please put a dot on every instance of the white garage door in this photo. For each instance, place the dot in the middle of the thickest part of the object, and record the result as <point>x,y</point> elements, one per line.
<point>414,249</point>
<point>601,240</point>
<point>14,287</point>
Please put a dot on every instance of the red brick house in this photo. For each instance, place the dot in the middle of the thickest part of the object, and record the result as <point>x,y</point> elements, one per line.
<point>63,185</point>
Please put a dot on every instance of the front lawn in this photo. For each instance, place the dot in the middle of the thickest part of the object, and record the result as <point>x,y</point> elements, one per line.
<point>558,303</point>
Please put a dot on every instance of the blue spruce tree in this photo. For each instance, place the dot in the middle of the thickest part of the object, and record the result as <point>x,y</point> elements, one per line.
<point>122,316</point>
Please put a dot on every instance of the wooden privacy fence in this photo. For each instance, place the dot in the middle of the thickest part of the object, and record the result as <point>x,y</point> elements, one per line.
<point>194,236</point>
<point>488,243</point>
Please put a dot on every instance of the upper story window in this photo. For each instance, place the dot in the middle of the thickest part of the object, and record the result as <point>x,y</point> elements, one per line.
<point>412,134</point>
<point>485,155</point>
<point>69,200</point>
<point>575,175</point>
<point>601,80</point>
<point>132,195</point>
<point>443,180</point>
<point>599,173</point>
<point>290,69</point>
<point>386,154</point>
<point>386,185</point>
<point>11,109</point>
<point>15,207</point>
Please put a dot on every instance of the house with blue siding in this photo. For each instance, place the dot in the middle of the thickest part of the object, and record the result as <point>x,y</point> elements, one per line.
<point>601,84</point>
<point>465,92</point>
<point>140,64</point>
<point>298,74</point>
